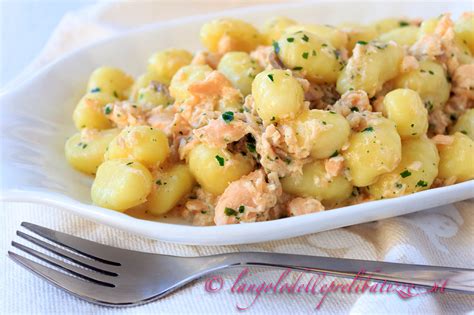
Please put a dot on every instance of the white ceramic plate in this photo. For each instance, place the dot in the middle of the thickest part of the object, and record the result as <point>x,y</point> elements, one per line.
<point>36,120</point>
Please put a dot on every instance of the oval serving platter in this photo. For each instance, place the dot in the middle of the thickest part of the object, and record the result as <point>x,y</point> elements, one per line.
<point>36,119</point>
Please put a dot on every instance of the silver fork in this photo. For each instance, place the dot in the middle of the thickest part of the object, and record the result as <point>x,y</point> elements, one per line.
<point>117,277</point>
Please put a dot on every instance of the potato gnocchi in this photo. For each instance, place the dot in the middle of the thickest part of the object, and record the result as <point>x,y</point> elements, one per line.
<point>288,120</point>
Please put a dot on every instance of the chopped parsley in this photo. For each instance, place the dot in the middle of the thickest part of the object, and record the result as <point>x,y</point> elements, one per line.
<point>95,90</point>
<point>84,145</point>
<point>115,94</point>
<point>276,47</point>
<point>273,118</point>
<point>336,153</point>
<point>251,143</point>
<point>368,129</point>
<point>242,209</point>
<point>403,23</point>
<point>464,132</point>
<point>305,38</point>
<point>305,55</point>
<point>405,173</point>
<point>158,182</point>
<point>270,76</point>
<point>228,116</point>
<point>203,212</point>
<point>421,183</point>
<point>430,72</point>
<point>324,45</point>
<point>290,39</point>
<point>429,105</point>
<point>314,52</point>
<point>297,68</point>
<point>229,212</point>
<point>220,160</point>
<point>354,109</point>
<point>361,42</point>
<point>129,163</point>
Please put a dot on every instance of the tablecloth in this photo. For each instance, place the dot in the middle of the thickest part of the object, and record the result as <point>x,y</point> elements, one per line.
<point>439,236</point>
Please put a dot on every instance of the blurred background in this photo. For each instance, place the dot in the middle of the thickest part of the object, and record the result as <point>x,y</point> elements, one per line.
<point>26,25</point>
<point>25,28</point>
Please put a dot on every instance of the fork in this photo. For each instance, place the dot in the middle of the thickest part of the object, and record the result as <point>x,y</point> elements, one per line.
<point>113,276</point>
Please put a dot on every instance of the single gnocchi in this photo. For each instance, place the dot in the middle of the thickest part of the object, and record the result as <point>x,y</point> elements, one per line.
<point>111,81</point>
<point>405,108</point>
<point>225,35</point>
<point>89,112</point>
<point>337,38</point>
<point>145,144</point>
<point>324,133</point>
<point>275,27</point>
<point>85,149</point>
<point>430,81</point>
<point>315,182</point>
<point>374,151</point>
<point>306,52</point>
<point>465,124</point>
<point>166,63</point>
<point>121,184</point>
<point>214,169</point>
<point>457,159</point>
<point>371,65</point>
<point>270,103</point>
<point>240,69</point>
<point>416,172</point>
<point>170,186</point>
<point>184,78</point>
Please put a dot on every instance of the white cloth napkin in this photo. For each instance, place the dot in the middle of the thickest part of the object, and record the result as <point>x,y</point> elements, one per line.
<point>440,236</point>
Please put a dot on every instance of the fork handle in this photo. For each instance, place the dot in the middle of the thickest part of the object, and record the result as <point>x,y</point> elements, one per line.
<point>453,279</point>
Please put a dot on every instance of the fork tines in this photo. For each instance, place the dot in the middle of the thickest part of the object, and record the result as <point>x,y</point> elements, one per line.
<point>90,261</point>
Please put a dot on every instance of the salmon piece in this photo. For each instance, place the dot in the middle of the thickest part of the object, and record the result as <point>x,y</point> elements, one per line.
<point>160,117</point>
<point>125,113</point>
<point>262,55</point>
<point>409,63</point>
<point>438,121</point>
<point>219,133</point>
<point>351,101</point>
<point>442,140</point>
<point>227,44</point>
<point>206,58</point>
<point>301,206</point>
<point>246,199</point>
<point>463,81</point>
<point>334,166</point>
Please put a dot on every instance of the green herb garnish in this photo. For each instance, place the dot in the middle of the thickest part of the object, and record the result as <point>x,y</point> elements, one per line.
<point>336,153</point>
<point>297,68</point>
<point>95,90</point>
<point>242,209</point>
<point>290,39</point>
<point>361,42</point>
<point>403,23</point>
<point>228,116</point>
<point>230,212</point>
<point>305,38</point>
<point>305,55</point>
<point>421,183</point>
<point>270,76</point>
<point>368,129</point>
<point>276,47</point>
<point>405,173</point>
<point>220,160</point>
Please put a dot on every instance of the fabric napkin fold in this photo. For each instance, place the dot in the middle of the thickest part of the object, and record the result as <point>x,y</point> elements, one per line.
<point>439,236</point>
